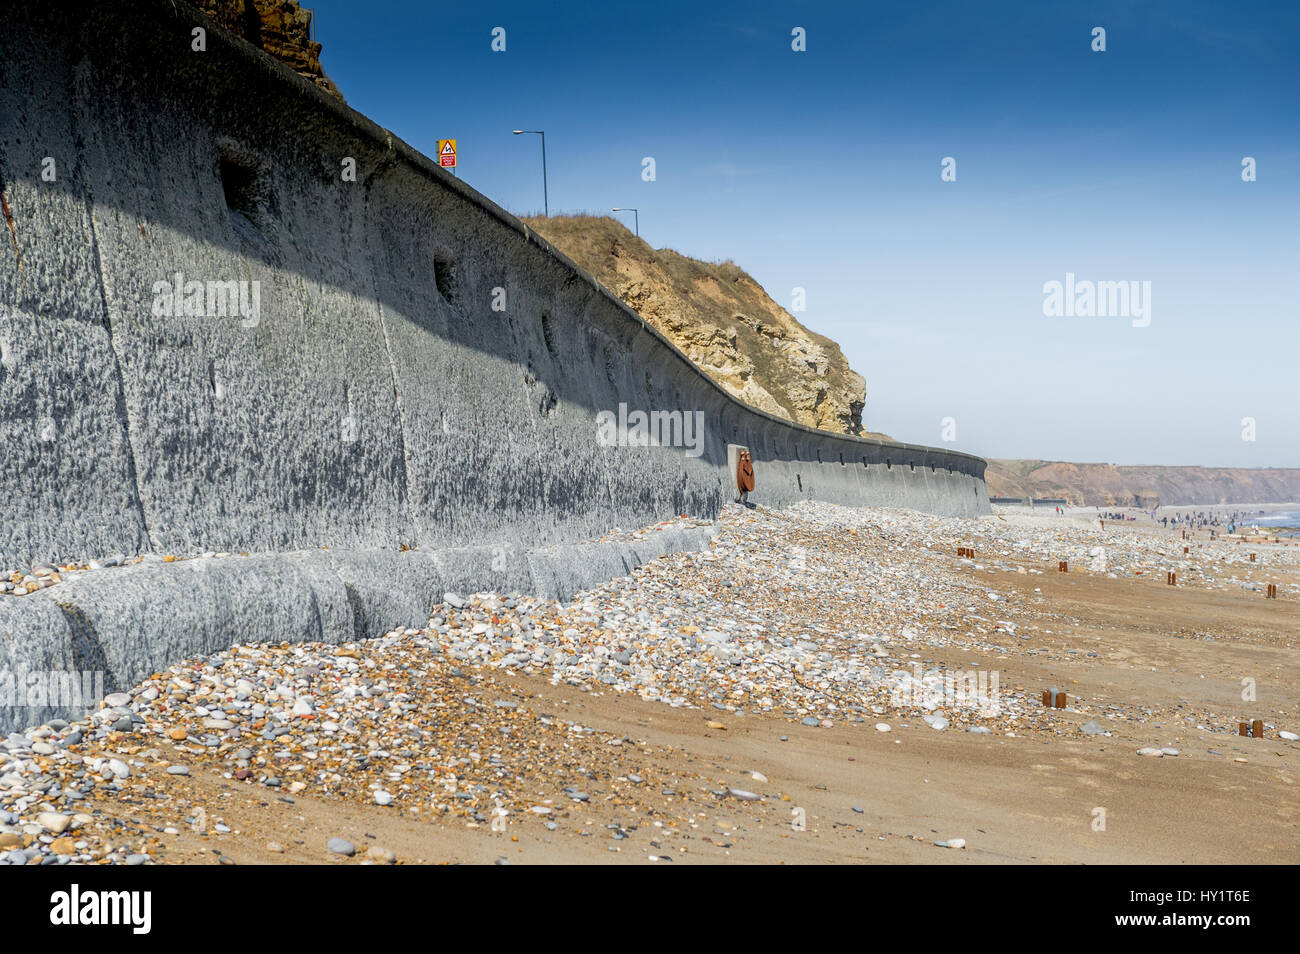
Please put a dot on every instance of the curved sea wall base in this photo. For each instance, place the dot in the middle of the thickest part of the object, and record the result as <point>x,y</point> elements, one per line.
<point>124,624</point>
<point>236,315</point>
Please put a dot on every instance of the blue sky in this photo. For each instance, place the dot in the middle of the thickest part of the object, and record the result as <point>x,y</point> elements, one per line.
<point>821,170</point>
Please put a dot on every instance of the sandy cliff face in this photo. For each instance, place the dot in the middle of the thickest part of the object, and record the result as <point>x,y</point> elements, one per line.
<point>280,27</point>
<point>722,320</point>
<point>1108,485</point>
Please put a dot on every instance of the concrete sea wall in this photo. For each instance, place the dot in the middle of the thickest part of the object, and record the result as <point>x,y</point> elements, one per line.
<point>374,400</point>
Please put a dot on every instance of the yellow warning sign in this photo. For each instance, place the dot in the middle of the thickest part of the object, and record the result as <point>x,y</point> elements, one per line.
<point>447,153</point>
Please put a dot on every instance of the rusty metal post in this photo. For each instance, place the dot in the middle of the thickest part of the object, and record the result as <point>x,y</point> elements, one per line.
<point>1063,567</point>
<point>1060,700</point>
<point>1172,579</point>
<point>1047,698</point>
<point>1252,558</point>
<point>1243,728</point>
<point>1257,729</point>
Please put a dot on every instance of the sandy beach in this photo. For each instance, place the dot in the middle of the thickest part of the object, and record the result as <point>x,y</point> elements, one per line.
<point>779,698</point>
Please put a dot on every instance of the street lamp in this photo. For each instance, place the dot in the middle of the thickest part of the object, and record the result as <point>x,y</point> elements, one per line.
<point>636,217</point>
<point>546,203</point>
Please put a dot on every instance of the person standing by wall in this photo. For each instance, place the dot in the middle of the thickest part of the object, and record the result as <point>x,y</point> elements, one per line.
<point>744,476</point>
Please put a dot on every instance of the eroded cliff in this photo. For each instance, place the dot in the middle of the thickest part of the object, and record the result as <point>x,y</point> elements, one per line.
<point>722,320</point>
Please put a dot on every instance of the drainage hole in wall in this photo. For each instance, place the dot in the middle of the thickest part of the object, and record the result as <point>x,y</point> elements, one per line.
<point>244,188</point>
<point>548,333</point>
<point>611,362</point>
<point>444,276</point>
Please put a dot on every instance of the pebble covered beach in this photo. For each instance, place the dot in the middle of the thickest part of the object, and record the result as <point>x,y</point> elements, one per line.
<point>816,619</point>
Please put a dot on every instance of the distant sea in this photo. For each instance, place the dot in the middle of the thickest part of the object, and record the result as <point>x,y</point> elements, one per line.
<point>1281,518</point>
<point>1289,519</point>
